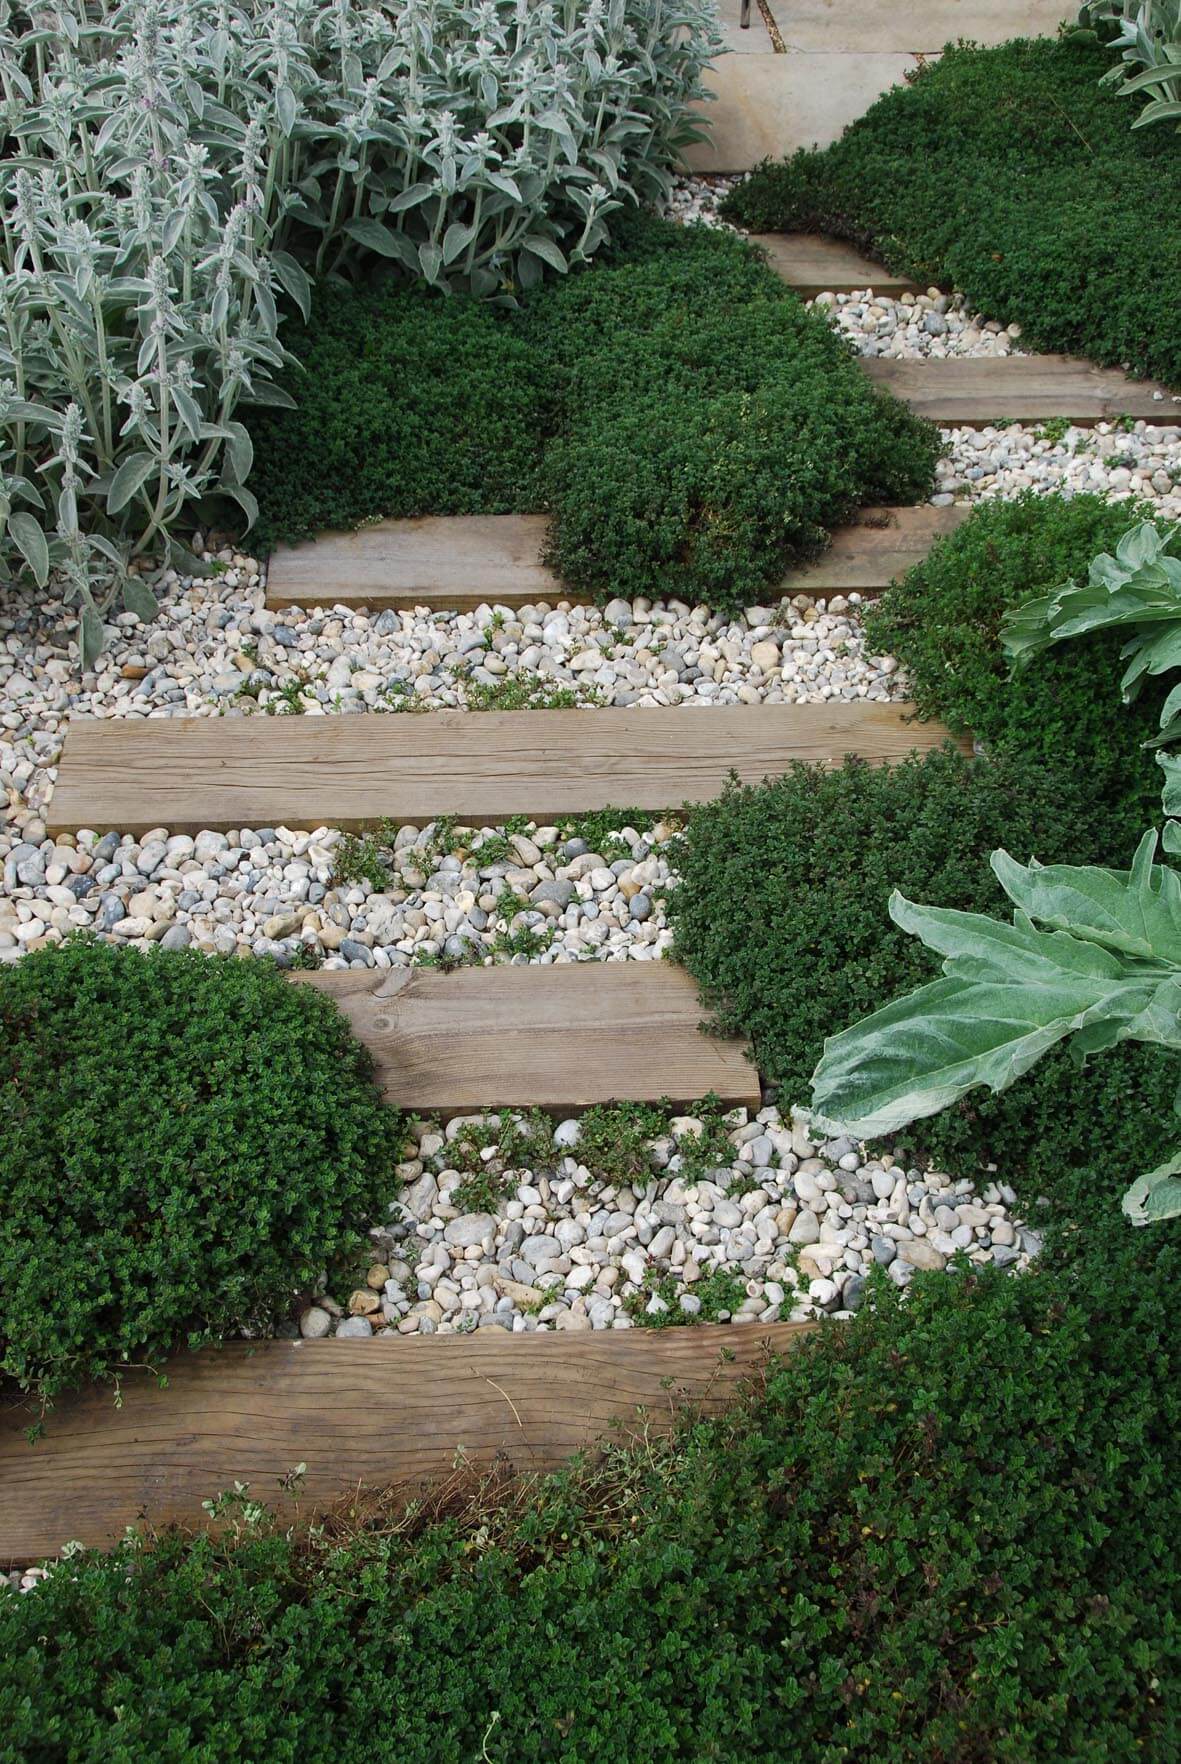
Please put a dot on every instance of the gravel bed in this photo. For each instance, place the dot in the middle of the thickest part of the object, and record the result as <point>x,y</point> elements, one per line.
<point>916,327</point>
<point>783,1228</point>
<point>930,326</point>
<point>215,650</point>
<point>434,894</point>
<point>1121,461</point>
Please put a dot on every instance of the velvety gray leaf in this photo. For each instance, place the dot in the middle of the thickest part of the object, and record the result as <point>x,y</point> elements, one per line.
<point>1135,911</point>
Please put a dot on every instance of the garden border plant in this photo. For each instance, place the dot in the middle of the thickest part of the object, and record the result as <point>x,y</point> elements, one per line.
<point>1045,219</point>
<point>690,428</point>
<point>169,188</point>
<point>185,1142</point>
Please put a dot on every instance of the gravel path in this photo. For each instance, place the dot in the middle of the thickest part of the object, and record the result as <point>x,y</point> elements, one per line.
<point>438,893</point>
<point>743,1219</point>
<point>766,1226</point>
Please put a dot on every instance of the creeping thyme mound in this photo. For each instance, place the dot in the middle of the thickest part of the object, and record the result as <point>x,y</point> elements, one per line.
<point>184,1141</point>
<point>811,857</point>
<point>942,621</point>
<point>691,429</point>
<point>1012,174</point>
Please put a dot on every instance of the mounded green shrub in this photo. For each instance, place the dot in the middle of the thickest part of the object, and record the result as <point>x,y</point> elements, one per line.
<point>943,1534</point>
<point>184,1143</point>
<point>406,404</point>
<point>690,427</point>
<point>811,858</point>
<point>1055,214</point>
<point>942,622</point>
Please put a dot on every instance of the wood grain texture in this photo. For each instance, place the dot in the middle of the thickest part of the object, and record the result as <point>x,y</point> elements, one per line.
<point>459,561</point>
<point>811,264</point>
<point>462,562</point>
<point>557,1038</point>
<point>391,1411</point>
<point>190,773</point>
<point>880,547</point>
<point>1025,388</point>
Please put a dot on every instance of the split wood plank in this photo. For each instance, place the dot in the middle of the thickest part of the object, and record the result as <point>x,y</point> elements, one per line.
<point>464,561</point>
<point>459,561</point>
<point>190,773</point>
<point>812,264</point>
<point>394,1411</point>
<point>1022,388</point>
<point>558,1038</point>
<point>881,546</point>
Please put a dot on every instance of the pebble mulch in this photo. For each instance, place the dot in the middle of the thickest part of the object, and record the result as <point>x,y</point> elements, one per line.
<point>774,1227</point>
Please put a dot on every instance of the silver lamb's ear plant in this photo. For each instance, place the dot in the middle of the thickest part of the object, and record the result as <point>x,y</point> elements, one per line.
<point>1092,956</point>
<point>1149,40</point>
<point>174,171</point>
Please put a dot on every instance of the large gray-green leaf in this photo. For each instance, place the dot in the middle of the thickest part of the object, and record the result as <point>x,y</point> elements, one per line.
<point>91,637</point>
<point>1156,1195</point>
<point>925,1051</point>
<point>31,543</point>
<point>1140,588</point>
<point>1107,970</point>
<point>1172,790</point>
<point>1136,911</point>
<point>139,599</point>
<point>1008,994</point>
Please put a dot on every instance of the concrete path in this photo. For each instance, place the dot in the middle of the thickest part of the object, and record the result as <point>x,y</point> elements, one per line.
<point>840,55</point>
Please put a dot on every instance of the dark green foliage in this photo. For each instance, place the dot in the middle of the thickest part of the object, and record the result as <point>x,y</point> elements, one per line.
<point>689,426</point>
<point>184,1143</point>
<point>942,622</point>
<point>781,909</point>
<point>1057,215</point>
<point>813,857</point>
<point>715,430</point>
<point>943,1534</point>
<point>408,404</point>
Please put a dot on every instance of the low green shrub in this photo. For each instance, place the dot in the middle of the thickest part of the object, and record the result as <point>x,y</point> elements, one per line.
<point>184,1143</point>
<point>942,1534</point>
<point>811,858</point>
<point>1053,217</point>
<point>943,620</point>
<point>406,405</point>
<point>714,429</point>
<point>688,425</point>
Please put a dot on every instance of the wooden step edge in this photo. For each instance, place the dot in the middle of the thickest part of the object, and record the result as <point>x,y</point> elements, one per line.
<point>395,1412</point>
<point>558,1037</point>
<point>189,774</point>
<point>813,263</point>
<point>459,562</point>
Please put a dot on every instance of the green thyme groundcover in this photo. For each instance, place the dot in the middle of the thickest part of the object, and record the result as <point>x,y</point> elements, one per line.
<point>184,1143</point>
<point>811,858</point>
<point>1009,173</point>
<point>945,1532</point>
<point>689,427</point>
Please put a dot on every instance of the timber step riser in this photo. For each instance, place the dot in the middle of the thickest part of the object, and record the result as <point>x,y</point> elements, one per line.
<point>459,562</point>
<point>192,773</point>
<point>394,1411</point>
<point>559,1038</point>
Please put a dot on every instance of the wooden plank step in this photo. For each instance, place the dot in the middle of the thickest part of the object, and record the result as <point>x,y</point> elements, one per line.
<point>881,546</point>
<point>812,264</point>
<point>459,561</point>
<point>190,773</point>
<point>392,1411</point>
<point>557,1038</point>
<point>1022,388</point>
<point>464,561</point>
